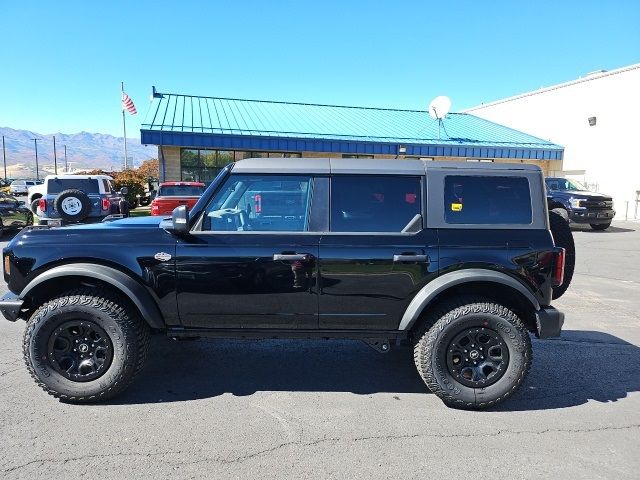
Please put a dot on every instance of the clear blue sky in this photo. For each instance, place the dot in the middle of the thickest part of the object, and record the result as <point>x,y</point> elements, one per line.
<point>62,61</point>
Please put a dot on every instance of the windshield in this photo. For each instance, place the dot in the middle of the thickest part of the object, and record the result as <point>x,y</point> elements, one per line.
<point>564,184</point>
<point>180,191</point>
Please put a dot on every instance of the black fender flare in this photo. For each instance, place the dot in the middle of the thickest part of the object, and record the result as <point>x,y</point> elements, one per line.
<point>448,280</point>
<point>132,289</point>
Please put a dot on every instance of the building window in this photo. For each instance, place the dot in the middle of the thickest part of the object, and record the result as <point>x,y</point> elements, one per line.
<point>204,165</point>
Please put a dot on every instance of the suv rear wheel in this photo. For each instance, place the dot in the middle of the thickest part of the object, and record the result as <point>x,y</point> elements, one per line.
<point>475,354</point>
<point>85,346</point>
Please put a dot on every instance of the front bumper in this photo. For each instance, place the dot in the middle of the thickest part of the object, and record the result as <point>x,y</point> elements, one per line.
<point>10,306</point>
<point>592,216</point>
<point>549,322</point>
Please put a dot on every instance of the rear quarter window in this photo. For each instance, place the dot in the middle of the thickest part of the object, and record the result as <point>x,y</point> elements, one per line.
<point>485,200</point>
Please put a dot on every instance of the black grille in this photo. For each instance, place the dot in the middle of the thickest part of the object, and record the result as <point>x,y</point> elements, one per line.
<point>600,204</point>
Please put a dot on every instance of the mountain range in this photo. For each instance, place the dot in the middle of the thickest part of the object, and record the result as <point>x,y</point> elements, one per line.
<point>84,151</point>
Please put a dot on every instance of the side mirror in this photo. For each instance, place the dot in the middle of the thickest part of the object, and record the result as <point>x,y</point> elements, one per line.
<point>123,191</point>
<point>180,219</point>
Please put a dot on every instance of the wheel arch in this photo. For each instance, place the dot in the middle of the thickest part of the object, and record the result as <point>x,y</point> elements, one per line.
<point>63,277</point>
<point>490,284</point>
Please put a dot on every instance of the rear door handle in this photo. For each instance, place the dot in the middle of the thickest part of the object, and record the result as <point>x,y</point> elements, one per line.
<point>410,258</point>
<point>291,256</point>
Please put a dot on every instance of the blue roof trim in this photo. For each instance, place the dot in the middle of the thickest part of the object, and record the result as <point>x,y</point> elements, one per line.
<point>224,141</point>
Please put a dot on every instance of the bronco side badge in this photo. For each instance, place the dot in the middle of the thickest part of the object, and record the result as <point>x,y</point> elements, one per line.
<point>163,257</point>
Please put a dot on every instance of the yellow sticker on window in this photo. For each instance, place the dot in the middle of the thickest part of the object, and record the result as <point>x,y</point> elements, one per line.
<point>456,207</point>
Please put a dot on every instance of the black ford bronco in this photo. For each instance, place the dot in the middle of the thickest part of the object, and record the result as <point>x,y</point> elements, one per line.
<point>458,259</point>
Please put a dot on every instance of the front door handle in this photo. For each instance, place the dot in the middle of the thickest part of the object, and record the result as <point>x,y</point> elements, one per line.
<point>291,256</point>
<point>410,258</point>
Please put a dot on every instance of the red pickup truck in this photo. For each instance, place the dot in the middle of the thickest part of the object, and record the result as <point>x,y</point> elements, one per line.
<point>173,194</point>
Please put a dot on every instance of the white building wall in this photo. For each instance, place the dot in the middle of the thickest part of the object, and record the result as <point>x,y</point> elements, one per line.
<point>608,152</point>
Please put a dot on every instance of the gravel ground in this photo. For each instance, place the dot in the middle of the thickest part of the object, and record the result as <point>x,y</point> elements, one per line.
<point>338,409</point>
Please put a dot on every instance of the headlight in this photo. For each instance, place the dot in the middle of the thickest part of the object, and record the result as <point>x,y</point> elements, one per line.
<point>576,202</point>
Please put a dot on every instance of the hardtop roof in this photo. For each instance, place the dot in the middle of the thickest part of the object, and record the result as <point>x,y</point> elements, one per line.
<point>326,166</point>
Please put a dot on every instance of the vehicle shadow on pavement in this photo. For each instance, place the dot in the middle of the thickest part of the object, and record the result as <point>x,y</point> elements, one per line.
<point>189,370</point>
<point>612,229</point>
<point>570,371</point>
<point>579,366</point>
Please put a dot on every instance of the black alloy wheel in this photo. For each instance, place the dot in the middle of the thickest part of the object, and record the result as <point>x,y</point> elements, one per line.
<point>471,352</point>
<point>85,345</point>
<point>80,350</point>
<point>477,357</point>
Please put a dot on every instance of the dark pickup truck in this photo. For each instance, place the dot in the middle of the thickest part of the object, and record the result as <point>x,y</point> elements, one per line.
<point>460,260</point>
<point>576,204</point>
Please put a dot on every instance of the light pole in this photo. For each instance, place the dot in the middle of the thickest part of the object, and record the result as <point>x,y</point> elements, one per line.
<point>4,159</point>
<point>35,142</point>
<point>55,156</point>
<point>66,165</point>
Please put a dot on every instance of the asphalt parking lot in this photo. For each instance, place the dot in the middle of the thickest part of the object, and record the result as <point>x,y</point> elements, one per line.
<point>309,409</point>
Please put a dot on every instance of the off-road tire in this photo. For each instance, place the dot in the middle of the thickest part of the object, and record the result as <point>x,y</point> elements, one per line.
<point>129,336</point>
<point>123,208</point>
<point>562,213</point>
<point>563,237</point>
<point>432,339</point>
<point>82,197</point>
<point>600,226</point>
<point>34,206</point>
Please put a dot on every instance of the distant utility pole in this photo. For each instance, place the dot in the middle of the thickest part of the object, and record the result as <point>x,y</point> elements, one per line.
<point>55,156</point>
<point>66,165</point>
<point>4,158</point>
<point>35,142</point>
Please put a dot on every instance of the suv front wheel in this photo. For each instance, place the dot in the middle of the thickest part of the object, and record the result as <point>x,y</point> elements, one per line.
<point>475,354</point>
<point>85,346</point>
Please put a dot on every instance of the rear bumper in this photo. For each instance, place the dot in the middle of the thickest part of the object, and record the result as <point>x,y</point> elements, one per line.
<point>592,216</point>
<point>10,306</point>
<point>549,322</point>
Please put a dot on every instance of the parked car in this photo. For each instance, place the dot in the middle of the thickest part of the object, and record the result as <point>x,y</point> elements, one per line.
<point>20,187</point>
<point>14,214</point>
<point>576,204</point>
<point>456,258</point>
<point>150,192</point>
<point>78,198</point>
<point>34,193</point>
<point>173,194</point>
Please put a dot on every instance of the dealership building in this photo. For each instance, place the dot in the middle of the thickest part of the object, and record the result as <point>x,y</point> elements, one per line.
<point>595,118</point>
<point>196,135</point>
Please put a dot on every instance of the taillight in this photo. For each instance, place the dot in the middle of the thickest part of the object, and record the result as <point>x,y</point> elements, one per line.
<point>106,204</point>
<point>558,272</point>
<point>42,205</point>
<point>258,199</point>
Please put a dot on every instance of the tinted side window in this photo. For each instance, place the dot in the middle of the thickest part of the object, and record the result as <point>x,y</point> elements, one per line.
<point>276,203</point>
<point>374,203</point>
<point>487,200</point>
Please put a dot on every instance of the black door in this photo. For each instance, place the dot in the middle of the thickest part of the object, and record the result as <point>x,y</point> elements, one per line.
<point>252,262</point>
<point>378,255</point>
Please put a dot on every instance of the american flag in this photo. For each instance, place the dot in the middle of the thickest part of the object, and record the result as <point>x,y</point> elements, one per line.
<point>127,104</point>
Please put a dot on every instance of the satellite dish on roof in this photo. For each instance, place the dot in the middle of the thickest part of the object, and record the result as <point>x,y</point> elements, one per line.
<point>439,107</point>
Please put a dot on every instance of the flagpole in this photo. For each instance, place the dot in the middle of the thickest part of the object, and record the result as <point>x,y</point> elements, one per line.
<point>124,126</point>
